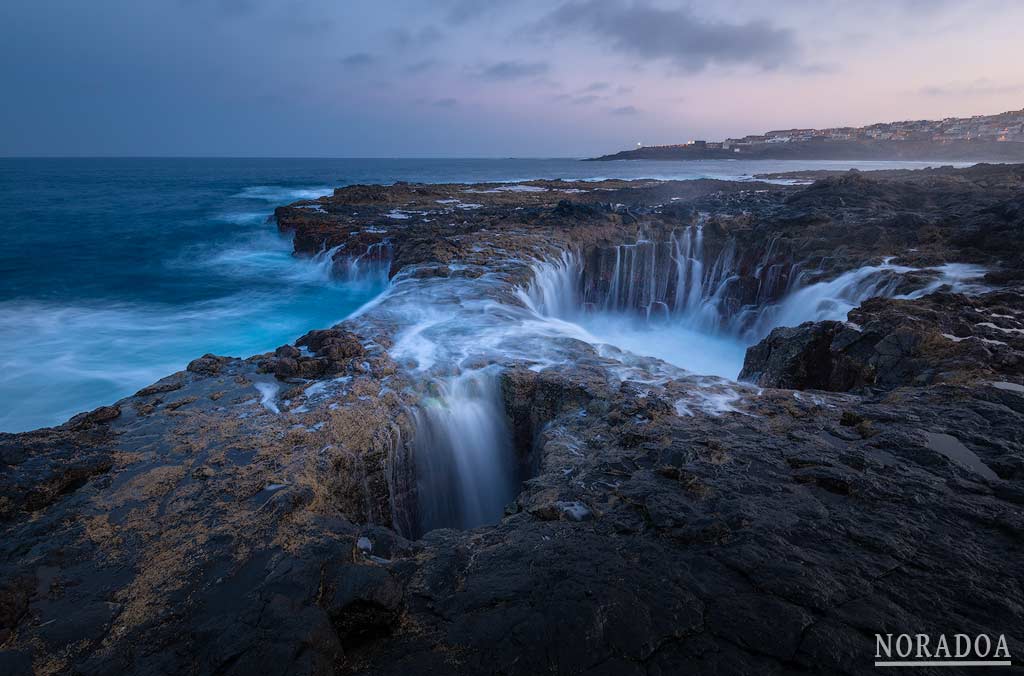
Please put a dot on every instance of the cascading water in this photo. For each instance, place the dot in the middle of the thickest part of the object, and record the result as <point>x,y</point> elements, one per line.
<point>465,462</point>
<point>689,256</point>
<point>455,333</point>
<point>673,279</point>
<point>465,466</point>
<point>667,299</point>
<point>323,262</point>
<point>374,262</point>
<point>730,295</point>
<point>555,288</point>
<point>831,299</point>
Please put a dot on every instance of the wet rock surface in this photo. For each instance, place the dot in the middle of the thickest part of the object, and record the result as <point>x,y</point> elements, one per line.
<point>260,515</point>
<point>887,343</point>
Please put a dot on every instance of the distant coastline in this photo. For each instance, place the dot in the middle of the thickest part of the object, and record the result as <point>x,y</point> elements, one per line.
<point>982,138</point>
<point>955,151</point>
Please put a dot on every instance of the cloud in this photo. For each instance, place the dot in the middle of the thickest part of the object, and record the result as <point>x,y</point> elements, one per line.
<point>422,66</point>
<point>423,37</point>
<point>819,69</point>
<point>357,60</point>
<point>675,35</point>
<point>295,18</point>
<point>597,87</point>
<point>513,70</point>
<point>980,87</point>
<point>585,99</point>
<point>624,111</point>
<point>463,11</point>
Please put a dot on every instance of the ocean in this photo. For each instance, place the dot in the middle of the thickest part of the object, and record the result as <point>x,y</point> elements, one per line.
<point>117,272</point>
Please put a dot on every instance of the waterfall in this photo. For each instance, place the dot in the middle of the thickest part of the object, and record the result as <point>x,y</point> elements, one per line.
<point>672,279</point>
<point>555,289</point>
<point>689,258</point>
<point>640,276</point>
<point>465,461</point>
<point>734,293</point>
<point>831,299</point>
<point>647,301</point>
<point>323,263</point>
<point>374,263</point>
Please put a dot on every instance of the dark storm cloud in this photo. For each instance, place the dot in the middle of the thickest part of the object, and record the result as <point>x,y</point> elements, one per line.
<point>675,35</point>
<point>513,70</point>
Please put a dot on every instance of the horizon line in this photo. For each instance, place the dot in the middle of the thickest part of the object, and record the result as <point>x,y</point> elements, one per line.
<point>290,157</point>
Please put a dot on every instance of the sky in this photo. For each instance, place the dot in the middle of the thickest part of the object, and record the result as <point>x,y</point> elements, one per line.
<point>484,78</point>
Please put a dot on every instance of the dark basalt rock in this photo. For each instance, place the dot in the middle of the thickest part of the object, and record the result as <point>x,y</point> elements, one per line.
<point>227,521</point>
<point>100,415</point>
<point>796,358</point>
<point>331,352</point>
<point>208,364</point>
<point>333,344</point>
<point>575,210</point>
<point>893,343</point>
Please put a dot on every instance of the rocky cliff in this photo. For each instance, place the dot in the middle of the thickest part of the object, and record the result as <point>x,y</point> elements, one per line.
<point>314,509</point>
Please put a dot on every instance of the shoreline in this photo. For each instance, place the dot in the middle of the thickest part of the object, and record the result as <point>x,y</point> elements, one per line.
<point>270,499</point>
<point>881,151</point>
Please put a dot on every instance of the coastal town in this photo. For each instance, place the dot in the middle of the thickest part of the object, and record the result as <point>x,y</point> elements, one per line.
<point>981,138</point>
<point>1004,127</point>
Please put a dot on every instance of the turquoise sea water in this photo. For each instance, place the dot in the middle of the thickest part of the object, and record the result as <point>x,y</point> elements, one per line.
<point>116,272</point>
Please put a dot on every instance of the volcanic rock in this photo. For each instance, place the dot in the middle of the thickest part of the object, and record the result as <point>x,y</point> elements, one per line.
<point>262,515</point>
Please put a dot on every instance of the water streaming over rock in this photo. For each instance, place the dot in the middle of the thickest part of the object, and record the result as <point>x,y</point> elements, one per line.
<point>453,336</point>
<point>674,277</point>
<point>555,288</point>
<point>465,462</point>
<point>370,266</point>
<point>831,299</point>
<point>669,295</point>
